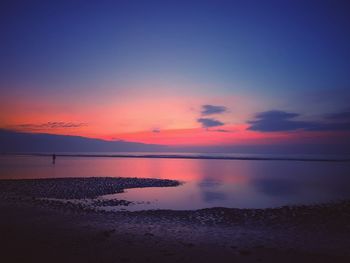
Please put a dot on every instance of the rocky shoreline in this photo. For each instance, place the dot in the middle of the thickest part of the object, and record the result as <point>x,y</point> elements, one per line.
<point>76,188</point>
<point>81,194</point>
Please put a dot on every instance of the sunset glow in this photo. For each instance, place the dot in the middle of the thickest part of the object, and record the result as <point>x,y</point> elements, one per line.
<point>203,82</point>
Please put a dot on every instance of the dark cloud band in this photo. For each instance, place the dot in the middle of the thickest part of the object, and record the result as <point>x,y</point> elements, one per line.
<point>274,121</point>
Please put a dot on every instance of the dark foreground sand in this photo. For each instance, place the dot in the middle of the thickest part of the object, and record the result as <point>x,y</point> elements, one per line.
<point>33,229</point>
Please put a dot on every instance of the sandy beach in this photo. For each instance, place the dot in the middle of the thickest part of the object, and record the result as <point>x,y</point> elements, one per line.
<point>35,228</point>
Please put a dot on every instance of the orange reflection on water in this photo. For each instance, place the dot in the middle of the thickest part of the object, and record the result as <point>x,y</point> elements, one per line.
<point>208,183</point>
<point>177,169</point>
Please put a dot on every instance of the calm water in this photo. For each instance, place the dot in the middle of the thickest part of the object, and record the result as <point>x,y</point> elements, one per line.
<point>207,183</point>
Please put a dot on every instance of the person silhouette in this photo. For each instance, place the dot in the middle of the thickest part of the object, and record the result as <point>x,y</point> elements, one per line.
<point>53,158</point>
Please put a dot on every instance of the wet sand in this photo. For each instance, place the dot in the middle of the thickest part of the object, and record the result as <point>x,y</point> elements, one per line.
<point>36,229</point>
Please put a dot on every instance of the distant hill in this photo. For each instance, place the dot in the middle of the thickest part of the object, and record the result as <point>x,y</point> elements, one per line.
<point>20,142</point>
<point>16,142</point>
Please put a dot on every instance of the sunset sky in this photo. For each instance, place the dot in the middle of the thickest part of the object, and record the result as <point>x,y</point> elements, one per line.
<point>205,73</point>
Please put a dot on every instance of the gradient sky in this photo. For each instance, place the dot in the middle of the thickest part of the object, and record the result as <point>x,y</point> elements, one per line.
<point>177,72</point>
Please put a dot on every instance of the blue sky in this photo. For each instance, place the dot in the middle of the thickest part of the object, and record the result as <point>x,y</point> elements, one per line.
<point>289,56</point>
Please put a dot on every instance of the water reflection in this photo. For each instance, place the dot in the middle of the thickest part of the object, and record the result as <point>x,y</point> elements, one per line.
<point>210,197</point>
<point>208,183</point>
<point>277,187</point>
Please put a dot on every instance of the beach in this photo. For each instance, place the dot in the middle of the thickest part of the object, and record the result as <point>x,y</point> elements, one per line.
<point>37,227</point>
<point>175,131</point>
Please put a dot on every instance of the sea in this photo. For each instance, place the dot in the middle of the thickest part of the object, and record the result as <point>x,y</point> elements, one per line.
<point>207,180</point>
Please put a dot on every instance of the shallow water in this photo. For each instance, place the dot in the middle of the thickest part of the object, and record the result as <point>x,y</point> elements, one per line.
<point>207,183</point>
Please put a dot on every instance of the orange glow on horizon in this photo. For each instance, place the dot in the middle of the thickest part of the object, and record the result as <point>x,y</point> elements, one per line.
<point>161,118</point>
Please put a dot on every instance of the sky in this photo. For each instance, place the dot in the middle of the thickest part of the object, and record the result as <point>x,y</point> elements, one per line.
<point>180,73</point>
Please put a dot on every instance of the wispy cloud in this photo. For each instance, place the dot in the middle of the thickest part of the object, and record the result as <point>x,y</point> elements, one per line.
<point>207,122</point>
<point>339,116</point>
<point>50,125</point>
<point>156,130</point>
<point>212,109</point>
<point>220,130</point>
